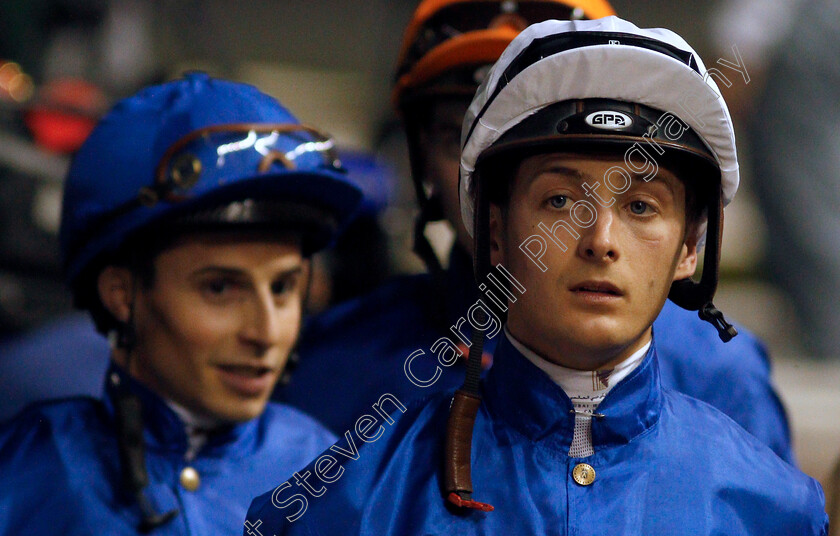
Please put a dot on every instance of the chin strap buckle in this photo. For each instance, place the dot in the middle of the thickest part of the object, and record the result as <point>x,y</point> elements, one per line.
<point>712,315</point>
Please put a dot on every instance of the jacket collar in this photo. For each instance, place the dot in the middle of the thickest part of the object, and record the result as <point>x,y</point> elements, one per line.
<point>525,397</point>
<point>165,431</point>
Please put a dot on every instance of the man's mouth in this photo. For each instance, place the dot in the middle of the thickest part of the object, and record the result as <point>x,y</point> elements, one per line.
<point>597,287</point>
<point>247,370</point>
<point>248,380</point>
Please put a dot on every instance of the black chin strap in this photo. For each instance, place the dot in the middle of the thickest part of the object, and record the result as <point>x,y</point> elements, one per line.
<point>697,296</point>
<point>129,422</point>
<point>709,313</point>
<point>430,206</point>
<point>135,478</point>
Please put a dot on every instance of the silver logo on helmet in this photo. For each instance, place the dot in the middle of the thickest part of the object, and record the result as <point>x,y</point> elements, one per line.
<point>609,120</point>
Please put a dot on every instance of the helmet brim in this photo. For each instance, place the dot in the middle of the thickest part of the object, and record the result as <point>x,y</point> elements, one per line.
<point>329,193</point>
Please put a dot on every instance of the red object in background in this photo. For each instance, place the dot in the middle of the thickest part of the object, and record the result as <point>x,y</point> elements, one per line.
<point>64,113</point>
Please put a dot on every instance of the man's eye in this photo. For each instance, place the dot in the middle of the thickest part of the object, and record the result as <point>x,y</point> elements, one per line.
<point>283,286</point>
<point>638,207</point>
<point>218,286</point>
<point>558,201</point>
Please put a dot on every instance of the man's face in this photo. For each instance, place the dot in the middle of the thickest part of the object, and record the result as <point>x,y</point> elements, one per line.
<point>595,303</point>
<point>441,146</point>
<point>216,327</point>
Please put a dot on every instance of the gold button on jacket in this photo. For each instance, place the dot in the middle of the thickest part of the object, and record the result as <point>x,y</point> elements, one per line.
<point>583,474</point>
<point>189,479</point>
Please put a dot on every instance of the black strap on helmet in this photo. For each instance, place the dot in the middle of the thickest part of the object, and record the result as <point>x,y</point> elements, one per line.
<point>697,296</point>
<point>135,478</point>
<point>129,423</point>
<point>457,458</point>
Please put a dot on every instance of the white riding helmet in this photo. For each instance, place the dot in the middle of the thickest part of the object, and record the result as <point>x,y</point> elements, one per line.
<point>609,58</point>
<point>605,84</point>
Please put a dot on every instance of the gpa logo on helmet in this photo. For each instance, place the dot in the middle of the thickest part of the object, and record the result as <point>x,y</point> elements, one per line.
<point>609,120</point>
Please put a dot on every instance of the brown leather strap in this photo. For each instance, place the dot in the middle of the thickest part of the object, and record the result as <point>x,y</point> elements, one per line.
<point>459,441</point>
<point>458,479</point>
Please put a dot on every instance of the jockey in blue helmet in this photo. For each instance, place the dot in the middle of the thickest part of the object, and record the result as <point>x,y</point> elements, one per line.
<point>189,217</point>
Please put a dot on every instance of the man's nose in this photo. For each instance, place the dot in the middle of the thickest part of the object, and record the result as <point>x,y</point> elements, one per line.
<point>598,240</point>
<point>262,323</point>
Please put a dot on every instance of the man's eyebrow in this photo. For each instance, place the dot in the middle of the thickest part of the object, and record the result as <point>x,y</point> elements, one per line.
<point>218,270</point>
<point>560,169</point>
<point>658,178</point>
<point>291,271</point>
<point>563,170</point>
<point>239,272</point>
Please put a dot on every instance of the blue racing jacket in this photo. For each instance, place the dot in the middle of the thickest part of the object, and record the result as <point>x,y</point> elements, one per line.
<point>664,463</point>
<point>357,351</point>
<point>60,469</point>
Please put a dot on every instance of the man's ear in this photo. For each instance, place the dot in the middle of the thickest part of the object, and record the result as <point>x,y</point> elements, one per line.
<point>687,263</point>
<point>496,236</point>
<point>115,286</point>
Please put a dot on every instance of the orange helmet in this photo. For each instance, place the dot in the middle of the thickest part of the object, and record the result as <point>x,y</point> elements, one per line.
<point>452,37</point>
<point>447,48</point>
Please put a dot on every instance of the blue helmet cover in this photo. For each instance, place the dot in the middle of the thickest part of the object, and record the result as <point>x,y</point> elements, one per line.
<point>123,152</point>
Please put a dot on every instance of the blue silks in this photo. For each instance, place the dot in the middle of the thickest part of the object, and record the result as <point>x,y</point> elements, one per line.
<point>64,357</point>
<point>60,471</point>
<point>356,352</point>
<point>664,463</point>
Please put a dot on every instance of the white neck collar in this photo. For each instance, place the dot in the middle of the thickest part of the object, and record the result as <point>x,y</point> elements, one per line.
<point>574,382</point>
<point>197,428</point>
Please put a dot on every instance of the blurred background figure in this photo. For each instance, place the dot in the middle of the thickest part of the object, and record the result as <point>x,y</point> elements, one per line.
<point>790,111</point>
<point>796,143</point>
<point>757,28</point>
<point>340,57</point>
